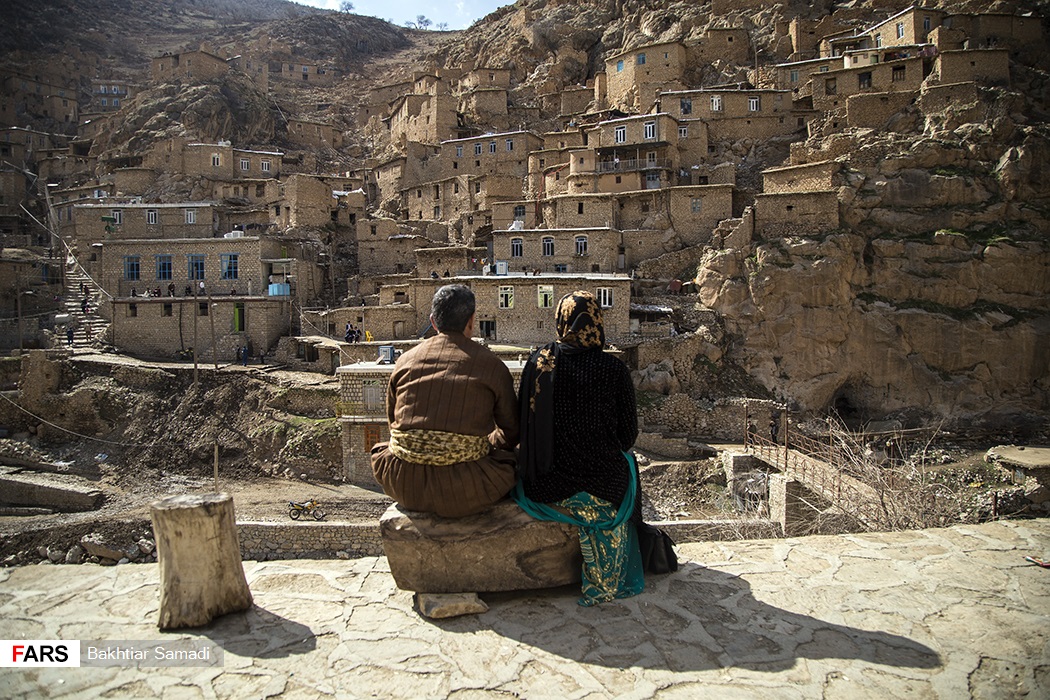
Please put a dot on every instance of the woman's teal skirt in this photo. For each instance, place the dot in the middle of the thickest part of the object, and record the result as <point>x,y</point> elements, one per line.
<point>612,562</point>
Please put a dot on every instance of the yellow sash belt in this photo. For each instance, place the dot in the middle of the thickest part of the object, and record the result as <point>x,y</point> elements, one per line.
<point>437,448</point>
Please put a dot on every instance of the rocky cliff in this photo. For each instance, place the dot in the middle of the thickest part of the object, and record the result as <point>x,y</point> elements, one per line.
<point>932,297</point>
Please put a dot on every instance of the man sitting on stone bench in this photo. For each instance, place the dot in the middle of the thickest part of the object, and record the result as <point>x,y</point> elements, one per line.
<point>453,418</point>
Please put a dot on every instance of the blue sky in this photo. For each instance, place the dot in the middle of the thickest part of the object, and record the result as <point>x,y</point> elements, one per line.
<point>458,14</point>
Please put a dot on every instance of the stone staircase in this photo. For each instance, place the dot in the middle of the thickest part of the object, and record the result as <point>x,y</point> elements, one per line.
<point>88,326</point>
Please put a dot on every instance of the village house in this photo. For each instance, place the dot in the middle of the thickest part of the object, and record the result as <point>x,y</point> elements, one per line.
<point>634,77</point>
<point>29,283</point>
<point>218,161</point>
<point>306,72</point>
<point>200,65</point>
<point>109,95</point>
<point>250,286</point>
<point>120,218</point>
<point>313,134</point>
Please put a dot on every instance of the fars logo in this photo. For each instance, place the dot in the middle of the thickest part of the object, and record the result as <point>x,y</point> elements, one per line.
<point>24,653</point>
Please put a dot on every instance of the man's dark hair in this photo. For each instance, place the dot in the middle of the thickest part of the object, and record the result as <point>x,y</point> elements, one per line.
<point>452,307</point>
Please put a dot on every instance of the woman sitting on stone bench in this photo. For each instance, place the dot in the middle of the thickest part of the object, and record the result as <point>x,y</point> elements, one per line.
<point>578,421</point>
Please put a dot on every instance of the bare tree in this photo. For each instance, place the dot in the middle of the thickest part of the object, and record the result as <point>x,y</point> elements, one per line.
<point>441,26</point>
<point>422,22</point>
<point>346,6</point>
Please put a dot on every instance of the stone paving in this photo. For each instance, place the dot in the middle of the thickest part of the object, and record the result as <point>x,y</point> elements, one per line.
<point>950,613</point>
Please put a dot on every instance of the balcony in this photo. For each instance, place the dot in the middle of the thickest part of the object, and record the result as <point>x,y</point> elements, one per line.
<point>625,165</point>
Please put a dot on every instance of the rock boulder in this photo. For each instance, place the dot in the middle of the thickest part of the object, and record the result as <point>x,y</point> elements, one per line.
<point>501,549</point>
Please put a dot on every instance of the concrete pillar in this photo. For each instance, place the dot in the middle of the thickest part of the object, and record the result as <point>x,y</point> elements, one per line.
<point>786,506</point>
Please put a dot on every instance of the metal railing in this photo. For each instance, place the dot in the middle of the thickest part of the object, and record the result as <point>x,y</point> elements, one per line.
<point>632,164</point>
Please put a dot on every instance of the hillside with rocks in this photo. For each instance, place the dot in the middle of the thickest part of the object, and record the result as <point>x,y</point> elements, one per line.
<point>928,301</point>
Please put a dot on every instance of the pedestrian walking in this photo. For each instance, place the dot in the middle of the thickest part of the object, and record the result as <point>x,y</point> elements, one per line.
<point>69,335</point>
<point>774,427</point>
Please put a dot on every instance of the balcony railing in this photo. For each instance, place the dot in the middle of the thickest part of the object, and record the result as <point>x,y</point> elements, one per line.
<point>632,164</point>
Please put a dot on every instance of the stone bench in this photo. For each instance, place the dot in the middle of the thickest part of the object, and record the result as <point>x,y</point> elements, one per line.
<point>501,549</point>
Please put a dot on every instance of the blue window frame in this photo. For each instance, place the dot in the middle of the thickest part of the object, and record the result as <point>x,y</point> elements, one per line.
<point>163,267</point>
<point>131,267</point>
<point>195,267</point>
<point>229,265</point>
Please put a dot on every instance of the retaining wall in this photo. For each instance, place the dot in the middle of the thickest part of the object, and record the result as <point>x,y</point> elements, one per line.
<point>262,541</point>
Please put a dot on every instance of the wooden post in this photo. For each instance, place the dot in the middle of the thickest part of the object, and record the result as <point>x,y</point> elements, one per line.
<point>201,576</point>
<point>747,426</point>
<point>211,321</point>
<point>216,466</point>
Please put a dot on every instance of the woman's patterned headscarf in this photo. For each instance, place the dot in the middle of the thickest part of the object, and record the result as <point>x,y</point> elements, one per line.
<point>579,321</point>
<point>580,329</point>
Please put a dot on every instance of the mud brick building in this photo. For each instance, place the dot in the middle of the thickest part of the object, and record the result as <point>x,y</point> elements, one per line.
<point>119,218</point>
<point>202,65</point>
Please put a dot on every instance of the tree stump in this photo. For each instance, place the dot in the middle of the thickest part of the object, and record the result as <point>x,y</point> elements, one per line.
<point>201,576</point>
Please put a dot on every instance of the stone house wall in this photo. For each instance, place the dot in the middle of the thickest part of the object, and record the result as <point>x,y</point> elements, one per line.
<point>873,110</point>
<point>308,201</point>
<point>249,249</point>
<point>313,134</point>
<point>799,178</point>
<point>795,213</point>
<point>184,220</point>
<point>453,259</point>
<point>603,245</point>
<point>986,66</point>
<point>633,77</point>
<point>936,98</point>
<point>385,253</point>
<point>424,118</point>
<point>907,28</point>
<point>190,64</point>
<point>161,326</point>
<point>721,43</point>
<point>133,181</point>
<point>831,89</point>
<point>527,322</point>
<point>262,541</point>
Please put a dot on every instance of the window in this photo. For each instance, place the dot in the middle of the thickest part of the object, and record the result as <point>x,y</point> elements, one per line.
<point>202,308</point>
<point>581,245</point>
<point>545,296</point>
<point>830,86</point>
<point>900,30</point>
<point>195,267</point>
<point>166,311</point>
<point>105,102</point>
<point>926,24</point>
<point>506,297</point>
<point>754,104</point>
<point>131,267</point>
<point>898,74</point>
<point>477,188</point>
<point>477,149</point>
<point>649,130</point>
<point>605,297</point>
<point>686,105</point>
<point>510,144</point>
<point>459,151</point>
<point>878,41</point>
<point>548,246</point>
<point>641,59</point>
<point>246,164</point>
<point>823,69</point>
<point>695,205</point>
<point>437,212</point>
<point>620,134</point>
<point>229,265</point>
<point>683,132</point>
<point>579,207</point>
<point>151,217</point>
<point>516,247</point>
<point>652,181</point>
<point>619,66</point>
<point>264,166</point>
<point>191,216</point>
<point>793,76</point>
<point>716,103</point>
<point>216,160</point>
<point>455,187</point>
<point>519,212</point>
<point>864,80</point>
<point>133,310</point>
<point>561,267</point>
<point>102,89</point>
<point>163,267</point>
<point>116,102</point>
<point>492,146</point>
<point>118,216</point>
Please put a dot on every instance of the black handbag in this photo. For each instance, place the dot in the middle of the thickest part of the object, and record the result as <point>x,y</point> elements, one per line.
<point>658,556</point>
